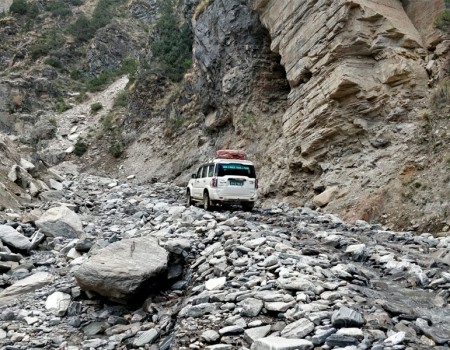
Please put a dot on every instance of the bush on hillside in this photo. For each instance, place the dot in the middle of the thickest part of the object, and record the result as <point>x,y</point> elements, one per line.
<point>54,62</point>
<point>80,147</point>
<point>95,107</point>
<point>59,8</point>
<point>443,21</point>
<point>172,49</point>
<point>121,99</point>
<point>49,41</point>
<point>32,10</point>
<point>19,7</point>
<point>83,29</point>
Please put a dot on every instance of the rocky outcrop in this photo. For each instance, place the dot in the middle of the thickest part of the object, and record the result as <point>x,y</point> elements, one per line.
<point>344,60</point>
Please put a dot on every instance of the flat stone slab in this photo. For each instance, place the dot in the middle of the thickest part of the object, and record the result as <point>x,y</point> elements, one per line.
<point>279,343</point>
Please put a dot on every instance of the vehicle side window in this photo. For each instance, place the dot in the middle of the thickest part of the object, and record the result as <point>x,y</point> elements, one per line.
<point>211,171</point>
<point>205,171</point>
<point>199,173</point>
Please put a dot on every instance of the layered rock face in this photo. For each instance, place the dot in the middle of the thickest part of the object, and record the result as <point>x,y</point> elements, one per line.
<point>344,60</point>
<point>361,73</point>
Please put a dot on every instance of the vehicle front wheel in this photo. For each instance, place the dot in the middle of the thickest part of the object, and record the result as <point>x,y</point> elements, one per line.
<point>189,201</point>
<point>206,202</point>
<point>248,206</point>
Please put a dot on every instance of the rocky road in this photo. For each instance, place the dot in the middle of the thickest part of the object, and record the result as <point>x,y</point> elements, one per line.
<point>108,264</point>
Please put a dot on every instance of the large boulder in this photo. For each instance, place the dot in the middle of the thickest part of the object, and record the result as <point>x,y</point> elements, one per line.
<point>60,222</point>
<point>124,269</point>
<point>14,239</point>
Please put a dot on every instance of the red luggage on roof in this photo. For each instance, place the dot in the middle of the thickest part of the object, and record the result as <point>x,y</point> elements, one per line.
<point>231,154</point>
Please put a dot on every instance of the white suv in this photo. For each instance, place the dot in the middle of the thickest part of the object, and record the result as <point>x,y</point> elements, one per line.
<point>224,181</point>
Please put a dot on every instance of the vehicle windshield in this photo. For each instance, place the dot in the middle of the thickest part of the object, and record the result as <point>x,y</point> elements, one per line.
<point>225,169</point>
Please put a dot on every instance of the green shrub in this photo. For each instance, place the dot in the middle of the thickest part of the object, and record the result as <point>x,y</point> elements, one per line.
<point>102,14</point>
<point>59,8</point>
<point>49,41</point>
<point>121,99</point>
<point>172,49</point>
<point>99,82</point>
<point>75,75</point>
<point>82,29</point>
<point>53,62</point>
<point>19,7</point>
<point>443,21</point>
<point>95,107</point>
<point>32,10</point>
<point>80,147</point>
<point>129,66</point>
<point>116,148</point>
<point>62,106</point>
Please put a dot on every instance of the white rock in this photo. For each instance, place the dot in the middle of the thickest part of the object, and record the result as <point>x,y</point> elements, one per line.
<point>215,283</point>
<point>58,303</point>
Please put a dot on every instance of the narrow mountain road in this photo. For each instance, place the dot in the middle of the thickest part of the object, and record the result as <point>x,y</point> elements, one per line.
<point>276,278</point>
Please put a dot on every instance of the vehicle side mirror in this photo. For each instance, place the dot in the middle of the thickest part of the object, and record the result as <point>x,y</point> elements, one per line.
<point>194,176</point>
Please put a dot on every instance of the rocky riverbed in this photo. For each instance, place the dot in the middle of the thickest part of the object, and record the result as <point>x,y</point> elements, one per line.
<point>108,264</point>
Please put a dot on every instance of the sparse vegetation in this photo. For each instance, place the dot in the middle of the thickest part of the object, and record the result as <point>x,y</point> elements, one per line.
<point>441,95</point>
<point>19,7</point>
<point>59,8</point>
<point>201,7</point>
<point>443,21</point>
<point>80,147</point>
<point>95,107</point>
<point>172,48</point>
<point>116,148</point>
<point>51,40</point>
<point>83,29</point>
<point>54,62</point>
<point>99,82</point>
<point>62,106</point>
<point>113,133</point>
<point>121,99</point>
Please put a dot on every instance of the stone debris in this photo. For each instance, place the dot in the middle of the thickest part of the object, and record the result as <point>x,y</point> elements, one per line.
<point>135,268</point>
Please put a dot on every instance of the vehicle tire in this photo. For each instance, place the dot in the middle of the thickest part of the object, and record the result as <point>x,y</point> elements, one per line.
<point>206,202</point>
<point>248,206</point>
<point>189,201</point>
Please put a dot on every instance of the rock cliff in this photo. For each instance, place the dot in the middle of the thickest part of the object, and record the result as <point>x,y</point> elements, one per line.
<point>342,104</point>
<point>359,73</point>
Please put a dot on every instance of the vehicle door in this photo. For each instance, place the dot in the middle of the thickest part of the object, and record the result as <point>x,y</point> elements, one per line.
<point>203,180</point>
<point>196,184</point>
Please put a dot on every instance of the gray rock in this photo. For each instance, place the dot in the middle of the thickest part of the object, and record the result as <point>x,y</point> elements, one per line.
<point>251,307</point>
<point>14,239</point>
<point>253,334</point>
<point>340,341</point>
<point>210,336</point>
<point>346,317</point>
<point>231,330</point>
<point>147,337</point>
<point>298,329</point>
<point>60,222</point>
<point>124,269</point>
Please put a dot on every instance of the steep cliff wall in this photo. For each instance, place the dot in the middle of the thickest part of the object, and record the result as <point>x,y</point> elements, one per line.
<point>360,74</point>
